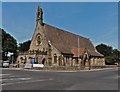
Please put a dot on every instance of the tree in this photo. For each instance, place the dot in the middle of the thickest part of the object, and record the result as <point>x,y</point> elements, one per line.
<point>24,46</point>
<point>116,55</point>
<point>116,52</point>
<point>111,55</point>
<point>9,44</point>
<point>104,49</point>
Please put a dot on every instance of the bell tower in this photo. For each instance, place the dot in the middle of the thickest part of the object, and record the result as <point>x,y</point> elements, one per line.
<point>39,15</point>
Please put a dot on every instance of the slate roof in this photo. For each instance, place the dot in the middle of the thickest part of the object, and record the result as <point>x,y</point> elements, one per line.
<point>67,42</point>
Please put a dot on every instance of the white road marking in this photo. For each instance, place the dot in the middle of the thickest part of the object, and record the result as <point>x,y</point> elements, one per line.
<point>17,79</point>
<point>24,78</point>
<point>26,82</point>
<point>12,76</point>
<point>115,77</point>
<point>4,74</point>
<point>17,76</point>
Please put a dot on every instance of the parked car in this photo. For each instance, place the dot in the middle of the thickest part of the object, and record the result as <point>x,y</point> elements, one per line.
<point>5,64</point>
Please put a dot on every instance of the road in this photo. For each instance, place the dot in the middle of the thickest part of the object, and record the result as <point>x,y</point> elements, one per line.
<point>48,80</point>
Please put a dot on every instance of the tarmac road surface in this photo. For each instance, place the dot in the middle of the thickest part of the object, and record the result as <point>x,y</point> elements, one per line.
<point>49,80</point>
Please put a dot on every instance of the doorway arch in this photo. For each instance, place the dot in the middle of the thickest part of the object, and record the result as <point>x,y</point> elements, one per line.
<point>55,58</point>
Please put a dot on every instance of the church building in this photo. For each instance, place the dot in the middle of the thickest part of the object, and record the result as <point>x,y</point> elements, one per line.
<point>52,46</point>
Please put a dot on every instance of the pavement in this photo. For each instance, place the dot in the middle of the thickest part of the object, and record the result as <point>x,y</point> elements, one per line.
<point>19,79</point>
<point>100,69</point>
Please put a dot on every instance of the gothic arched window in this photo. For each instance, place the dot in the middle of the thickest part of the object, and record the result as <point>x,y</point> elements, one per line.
<point>38,39</point>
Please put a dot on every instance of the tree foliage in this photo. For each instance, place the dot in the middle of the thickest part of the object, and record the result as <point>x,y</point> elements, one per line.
<point>9,44</point>
<point>104,49</point>
<point>111,55</point>
<point>24,46</point>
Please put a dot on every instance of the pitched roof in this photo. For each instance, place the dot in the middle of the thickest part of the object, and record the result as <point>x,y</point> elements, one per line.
<point>78,52</point>
<point>65,41</point>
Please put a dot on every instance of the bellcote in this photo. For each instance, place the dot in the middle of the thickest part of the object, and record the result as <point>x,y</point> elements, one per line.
<point>39,15</point>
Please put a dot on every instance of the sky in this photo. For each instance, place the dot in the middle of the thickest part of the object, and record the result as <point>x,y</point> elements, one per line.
<point>97,21</point>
